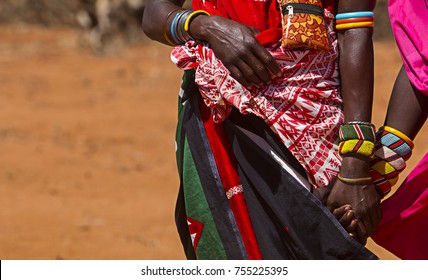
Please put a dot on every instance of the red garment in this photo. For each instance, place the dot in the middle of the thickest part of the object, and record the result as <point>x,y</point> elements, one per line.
<point>404,226</point>
<point>264,15</point>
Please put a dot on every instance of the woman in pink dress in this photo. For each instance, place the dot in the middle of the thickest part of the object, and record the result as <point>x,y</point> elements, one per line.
<point>404,225</point>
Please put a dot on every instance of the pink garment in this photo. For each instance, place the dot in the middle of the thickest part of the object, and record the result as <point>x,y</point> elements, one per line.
<point>409,21</point>
<point>304,107</point>
<point>404,226</point>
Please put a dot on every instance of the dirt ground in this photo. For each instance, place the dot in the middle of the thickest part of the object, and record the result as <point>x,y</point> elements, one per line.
<point>87,167</point>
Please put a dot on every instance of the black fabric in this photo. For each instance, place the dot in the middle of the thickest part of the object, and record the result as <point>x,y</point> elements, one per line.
<point>219,206</point>
<point>289,222</point>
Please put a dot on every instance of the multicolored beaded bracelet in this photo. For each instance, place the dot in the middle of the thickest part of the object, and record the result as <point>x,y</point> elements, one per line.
<point>357,130</point>
<point>356,146</point>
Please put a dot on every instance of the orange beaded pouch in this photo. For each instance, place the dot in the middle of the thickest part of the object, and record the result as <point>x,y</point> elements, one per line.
<point>303,25</point>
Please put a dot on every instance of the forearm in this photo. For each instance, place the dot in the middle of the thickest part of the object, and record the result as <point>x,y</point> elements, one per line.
<point>155,17</point>
<point>408,107</point>
<point>356,66</point>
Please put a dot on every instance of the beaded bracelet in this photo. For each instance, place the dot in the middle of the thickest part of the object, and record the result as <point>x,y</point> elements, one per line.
<point>356,146</point>
<point>398,133</point>
<point>395,143</point>
<point>384,153</point>
<point>385,169</point>
<point>381,183</point>
<point>357,130</point>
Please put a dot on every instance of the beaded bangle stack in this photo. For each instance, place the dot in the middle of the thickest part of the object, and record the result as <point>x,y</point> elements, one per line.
<point>357,138</point>
<point>179,28</point>
<point>393,149</point>
<point>354,20</point>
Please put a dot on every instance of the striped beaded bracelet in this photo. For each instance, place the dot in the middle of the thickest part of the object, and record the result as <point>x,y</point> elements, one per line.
<point>357,137</point>
<point>393,148</point>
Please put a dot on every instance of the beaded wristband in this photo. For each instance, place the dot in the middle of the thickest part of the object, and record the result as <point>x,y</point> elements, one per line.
<point>355,181</point>
<point>385,169</point>
<point>192,16</point>
<point>357,130</point>
<point>384,153</point>
<point>398,133</point>
<point>356,146</point>
<point>354,25</point>
<point>355,14</point>
<point>381,182</point>
<point>395,143</point>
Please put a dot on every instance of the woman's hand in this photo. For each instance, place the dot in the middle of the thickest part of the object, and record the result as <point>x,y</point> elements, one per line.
<point>364,200</point>
<point>236,46</point>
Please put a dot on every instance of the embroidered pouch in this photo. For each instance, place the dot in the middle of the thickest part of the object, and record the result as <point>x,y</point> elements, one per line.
<point>303,25</point>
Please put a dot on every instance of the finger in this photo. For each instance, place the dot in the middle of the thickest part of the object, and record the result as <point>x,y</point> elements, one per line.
<point>249,72</point>
<point>340,211</point>
<point>236,73</point>
<point>346,219</point>
<point>352,226</point>
<point>267,60</point>
<point>259,69</point>
<point>353,235</point>
<point>361,233</point>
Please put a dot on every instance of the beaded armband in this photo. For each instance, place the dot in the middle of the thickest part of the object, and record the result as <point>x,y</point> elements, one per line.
<point>357,138</point>
<point>393,149</point>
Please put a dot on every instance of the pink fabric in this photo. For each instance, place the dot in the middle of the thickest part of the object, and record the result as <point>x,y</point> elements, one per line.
<point>404,226</point>
<point>409,21</point>
<point>304,108</point>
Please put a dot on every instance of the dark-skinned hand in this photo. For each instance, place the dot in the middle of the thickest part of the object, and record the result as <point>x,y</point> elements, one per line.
<point>236,46</point>
<point>365,204</point>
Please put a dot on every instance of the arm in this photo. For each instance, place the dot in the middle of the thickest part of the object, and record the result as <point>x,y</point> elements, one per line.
<point>407,108</point>
<point>233,43</point>
<point>357,74</point>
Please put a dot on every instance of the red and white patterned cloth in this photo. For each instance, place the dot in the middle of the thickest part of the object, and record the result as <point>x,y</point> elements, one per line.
<point>304,107</point>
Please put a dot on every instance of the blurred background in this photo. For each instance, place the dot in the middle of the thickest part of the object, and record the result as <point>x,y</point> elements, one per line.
<point>87,124</point>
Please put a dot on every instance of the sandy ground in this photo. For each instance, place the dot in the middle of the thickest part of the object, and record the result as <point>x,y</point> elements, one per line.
<point>87,167</point>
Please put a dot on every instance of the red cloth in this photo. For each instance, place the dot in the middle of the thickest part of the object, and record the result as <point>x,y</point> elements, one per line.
<point>404,226</point>
<point>227,168</point>
<point>263,15</point>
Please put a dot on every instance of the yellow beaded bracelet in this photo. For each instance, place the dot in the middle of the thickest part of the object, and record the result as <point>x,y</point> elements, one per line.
<point>192,16</point>
<point>356,146</point>
<point>354,25</point>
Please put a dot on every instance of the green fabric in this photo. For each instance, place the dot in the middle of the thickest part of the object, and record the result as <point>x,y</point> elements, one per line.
<point>210,245</point>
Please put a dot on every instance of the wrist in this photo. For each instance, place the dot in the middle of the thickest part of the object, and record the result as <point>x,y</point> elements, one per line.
<point>197,27</point>
<point>355,166</point>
